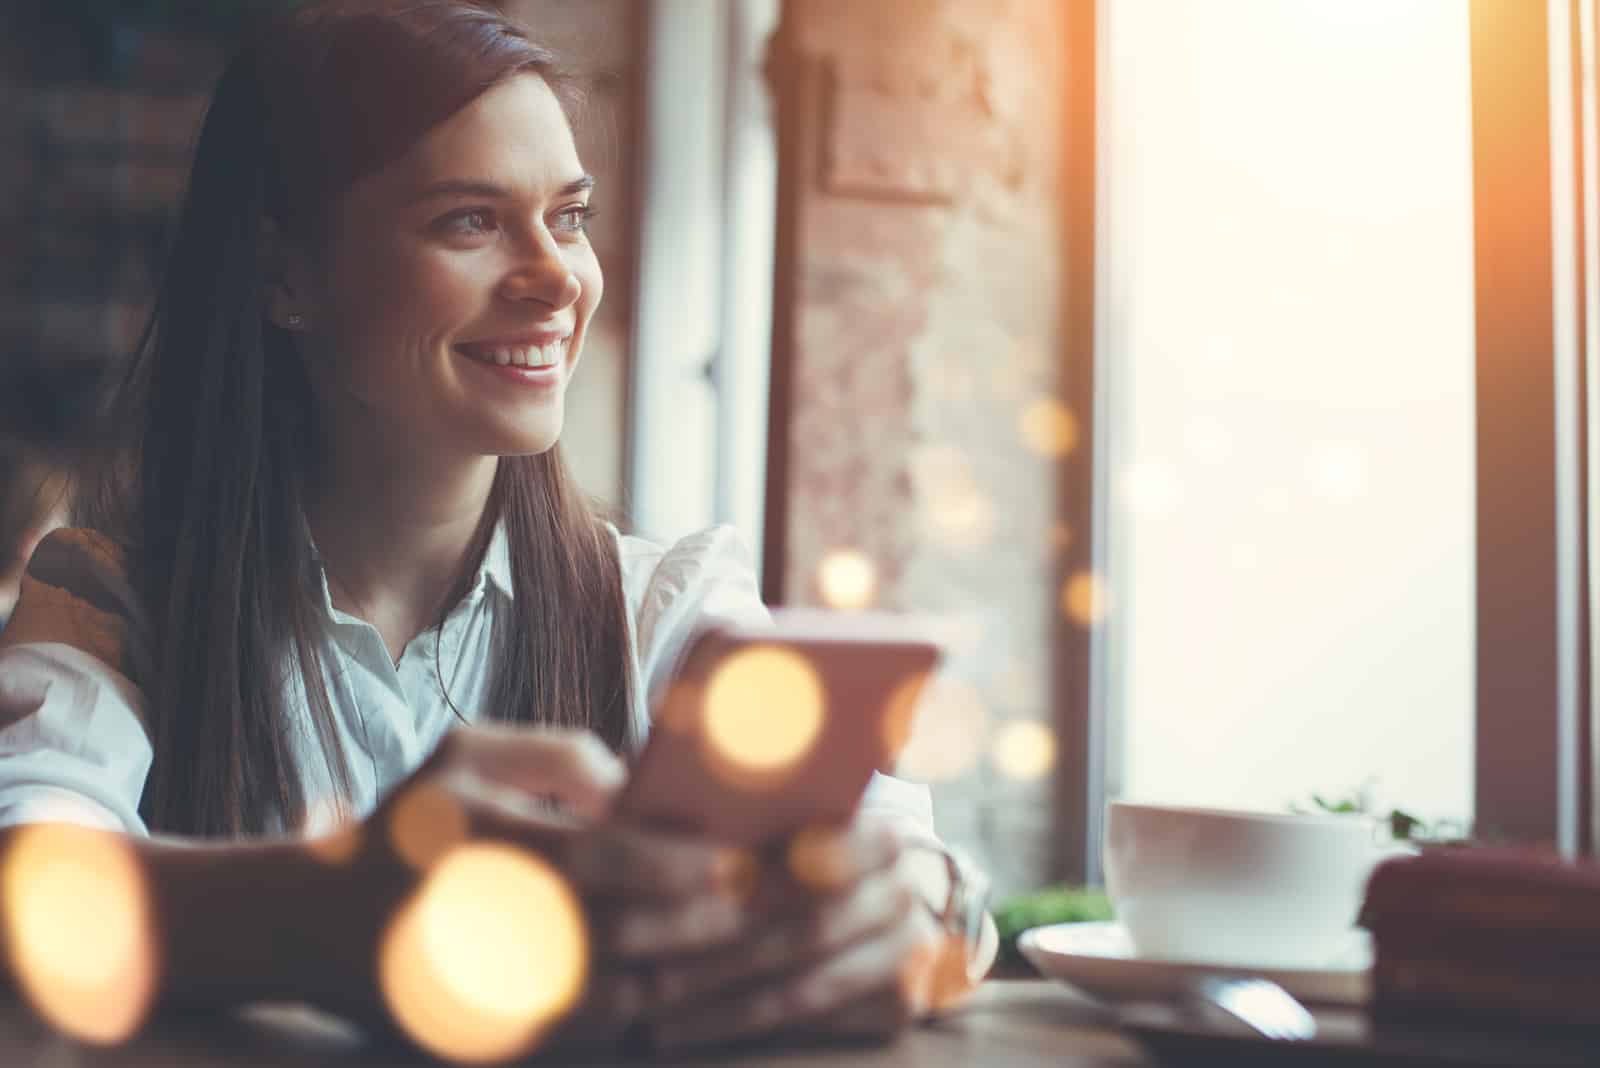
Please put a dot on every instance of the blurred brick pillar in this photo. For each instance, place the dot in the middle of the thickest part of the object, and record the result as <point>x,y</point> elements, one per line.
<point>918,317</point>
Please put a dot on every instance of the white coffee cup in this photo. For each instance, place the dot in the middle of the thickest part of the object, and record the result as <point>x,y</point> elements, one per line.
<point>1252,889</point>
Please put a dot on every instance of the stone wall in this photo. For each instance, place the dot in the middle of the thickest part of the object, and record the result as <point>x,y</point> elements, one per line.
<point>920,336</point>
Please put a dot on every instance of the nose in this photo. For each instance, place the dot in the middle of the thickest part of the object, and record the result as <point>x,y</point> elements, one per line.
<point>541,274</point>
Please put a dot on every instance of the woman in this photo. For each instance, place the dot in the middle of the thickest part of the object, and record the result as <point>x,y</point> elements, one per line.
<point>342,529</point>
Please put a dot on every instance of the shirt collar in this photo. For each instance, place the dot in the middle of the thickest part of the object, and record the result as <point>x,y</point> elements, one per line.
<point>495,569</point>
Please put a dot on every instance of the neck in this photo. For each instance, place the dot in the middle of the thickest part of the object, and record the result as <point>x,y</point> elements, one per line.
<point>395,532</point>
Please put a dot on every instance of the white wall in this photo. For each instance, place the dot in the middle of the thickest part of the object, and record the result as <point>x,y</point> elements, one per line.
<point>1287,320</point>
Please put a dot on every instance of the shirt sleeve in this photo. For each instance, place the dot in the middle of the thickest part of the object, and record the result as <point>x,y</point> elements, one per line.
<point>73,744</point>
<point>708,578</point>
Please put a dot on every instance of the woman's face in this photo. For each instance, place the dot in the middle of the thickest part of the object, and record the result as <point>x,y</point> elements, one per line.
<point>447,307</point>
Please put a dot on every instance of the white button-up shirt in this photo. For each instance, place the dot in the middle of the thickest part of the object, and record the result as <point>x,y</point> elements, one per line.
<point>73,743</point>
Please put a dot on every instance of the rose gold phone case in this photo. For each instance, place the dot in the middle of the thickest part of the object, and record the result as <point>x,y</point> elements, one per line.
<point>869,669</point>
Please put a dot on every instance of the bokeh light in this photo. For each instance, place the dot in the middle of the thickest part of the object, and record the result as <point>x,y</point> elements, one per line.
<point>79,927</point>
<point>948,722</point>
<point>1024,750</point>
<point>958,513</point>
<point>847,579</point>
<point>425,822</point>
<point>1049,428</point>
<point>764,710</point>
<point>490,953</point>
<point>1085,599</point>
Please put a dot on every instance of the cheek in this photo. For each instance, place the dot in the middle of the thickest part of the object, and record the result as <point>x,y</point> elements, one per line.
<point>388,291</point>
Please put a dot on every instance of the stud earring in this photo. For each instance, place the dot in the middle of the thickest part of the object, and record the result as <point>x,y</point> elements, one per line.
<point>296,321</point>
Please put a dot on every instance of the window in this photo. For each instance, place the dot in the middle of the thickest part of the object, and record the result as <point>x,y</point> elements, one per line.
<point>1342,266</point>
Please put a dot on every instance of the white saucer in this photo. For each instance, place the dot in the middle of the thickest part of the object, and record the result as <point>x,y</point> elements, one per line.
<point>1098,959</point>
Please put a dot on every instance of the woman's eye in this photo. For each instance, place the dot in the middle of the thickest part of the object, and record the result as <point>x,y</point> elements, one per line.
<point>575,219</point>
<point>468,223</point>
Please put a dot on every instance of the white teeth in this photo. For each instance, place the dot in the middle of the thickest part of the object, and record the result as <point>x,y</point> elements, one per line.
<point>528,356</point>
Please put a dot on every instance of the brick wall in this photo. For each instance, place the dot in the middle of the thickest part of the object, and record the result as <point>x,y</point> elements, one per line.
<point>94,147</point>
<point>922,320</point>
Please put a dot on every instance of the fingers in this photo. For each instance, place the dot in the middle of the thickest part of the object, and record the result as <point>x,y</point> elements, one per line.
<point>788,944</point>
<point>696,925</point>
<point>623,862</point>
<point>573,765</point>
<point>891,965</point>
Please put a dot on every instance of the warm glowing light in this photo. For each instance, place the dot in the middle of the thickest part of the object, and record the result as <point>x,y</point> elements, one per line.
<point>1151,489</point>
<point>947,725</point>
<point>848,579</point>
<point>1084,599</point>
<point>819,859</point>
<point>1337,471</point>
<point>1049,428</point>
<point>957,511</point>
<point>425,822</point>
<point>78,924</point>
<point>488,955</point>
<point>1024,750</point>
<point>764,710</point>
<point>900,714</point>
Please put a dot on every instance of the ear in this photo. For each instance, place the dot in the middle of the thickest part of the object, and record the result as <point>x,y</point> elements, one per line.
<point>285,296</point>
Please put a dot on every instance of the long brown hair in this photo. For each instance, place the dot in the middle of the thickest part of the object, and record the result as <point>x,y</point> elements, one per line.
<point>218,429</point>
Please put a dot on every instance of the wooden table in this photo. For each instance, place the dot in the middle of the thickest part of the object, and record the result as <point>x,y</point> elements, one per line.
<point>1007,1023</point>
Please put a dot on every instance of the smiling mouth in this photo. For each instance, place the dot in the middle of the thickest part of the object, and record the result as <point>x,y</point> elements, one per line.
<point>533,357</point>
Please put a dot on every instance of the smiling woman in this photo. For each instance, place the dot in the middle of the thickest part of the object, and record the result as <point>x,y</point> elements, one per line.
<point>338,531</point>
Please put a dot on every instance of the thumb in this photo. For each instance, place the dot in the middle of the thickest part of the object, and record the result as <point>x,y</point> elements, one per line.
<point>574,766</point>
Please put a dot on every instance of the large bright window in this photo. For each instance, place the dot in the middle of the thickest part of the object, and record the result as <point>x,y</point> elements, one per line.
<point>1286,331</point>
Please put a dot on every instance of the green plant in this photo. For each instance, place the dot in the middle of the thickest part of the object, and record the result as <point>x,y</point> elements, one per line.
<point>1053,904</point>
<point>1403,826</point>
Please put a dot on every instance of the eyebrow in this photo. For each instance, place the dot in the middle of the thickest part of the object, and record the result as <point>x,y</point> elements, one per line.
<point>471,187</point>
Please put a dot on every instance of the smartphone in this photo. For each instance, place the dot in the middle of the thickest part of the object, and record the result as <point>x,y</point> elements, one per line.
<point>769,729</point>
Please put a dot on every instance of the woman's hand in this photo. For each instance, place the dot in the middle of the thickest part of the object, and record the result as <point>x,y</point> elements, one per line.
<point>646,896</point>
<point>849,948</point>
